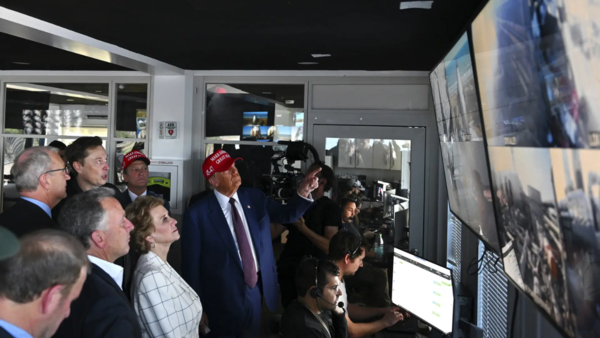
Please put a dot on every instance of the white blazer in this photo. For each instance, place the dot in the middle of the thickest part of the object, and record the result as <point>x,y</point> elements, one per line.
<point>165,304</point>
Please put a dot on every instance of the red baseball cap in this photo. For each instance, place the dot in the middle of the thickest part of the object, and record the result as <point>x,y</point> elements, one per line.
<point>219,161</point>
<point>133,156</point>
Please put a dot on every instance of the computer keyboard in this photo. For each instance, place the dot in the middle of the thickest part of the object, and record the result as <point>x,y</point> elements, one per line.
<point>410,324</point>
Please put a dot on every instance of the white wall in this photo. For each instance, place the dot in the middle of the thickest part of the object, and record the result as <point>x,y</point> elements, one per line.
<point>172,100</point>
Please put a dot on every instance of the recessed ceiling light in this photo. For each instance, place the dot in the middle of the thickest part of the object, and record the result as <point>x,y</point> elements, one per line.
<point>70,100</point>
<point>308,63</point>
<point>321,55</point>
<point>21,63</point>
<point>98,91</point>
<point>289,101</point>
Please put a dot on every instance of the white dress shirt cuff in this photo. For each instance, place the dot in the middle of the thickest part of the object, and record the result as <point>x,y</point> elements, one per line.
<point>310,199</point>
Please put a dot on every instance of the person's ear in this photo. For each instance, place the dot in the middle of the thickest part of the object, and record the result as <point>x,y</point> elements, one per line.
<point>78,167</point>
<point>98,237</point>
<point>50,299</point>
<point>44,182</point>
<point>213,181</point>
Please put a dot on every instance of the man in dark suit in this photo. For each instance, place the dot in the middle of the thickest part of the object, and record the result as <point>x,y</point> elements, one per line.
<point>34,301</point>
<point>41,178</point>
<point>227,255</point>
<point>89,167</point>
<point>97,219</point>
<point>135,174</point>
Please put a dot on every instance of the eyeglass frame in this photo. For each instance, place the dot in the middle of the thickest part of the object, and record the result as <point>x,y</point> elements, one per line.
<point>65,170</point>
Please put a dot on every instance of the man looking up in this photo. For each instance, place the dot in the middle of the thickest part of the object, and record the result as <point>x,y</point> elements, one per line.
<point>233,223</point>
<point>135,174</point>
<point>41,179</point>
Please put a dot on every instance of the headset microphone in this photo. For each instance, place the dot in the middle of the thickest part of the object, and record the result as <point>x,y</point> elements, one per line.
<point>330,303</point>
<point>341,304</point>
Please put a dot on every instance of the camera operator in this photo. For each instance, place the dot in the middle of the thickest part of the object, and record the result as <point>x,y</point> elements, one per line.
<point>310,235</point>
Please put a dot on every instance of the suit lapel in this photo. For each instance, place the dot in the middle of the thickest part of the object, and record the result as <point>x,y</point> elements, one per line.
<point>252,222</point>
<point>126,197</point>
<point>105,277</point>
<point>220,224</point>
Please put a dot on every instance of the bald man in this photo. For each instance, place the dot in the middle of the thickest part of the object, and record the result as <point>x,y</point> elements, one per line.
<point>41,179</point>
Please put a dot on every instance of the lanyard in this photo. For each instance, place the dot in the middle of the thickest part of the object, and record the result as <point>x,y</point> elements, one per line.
<point>319,319</point>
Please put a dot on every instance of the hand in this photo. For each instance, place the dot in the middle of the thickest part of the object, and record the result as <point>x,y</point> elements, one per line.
<point>310,183</point>
<point>299,223</point>
<point>204,324</point>
<point>392,317</point>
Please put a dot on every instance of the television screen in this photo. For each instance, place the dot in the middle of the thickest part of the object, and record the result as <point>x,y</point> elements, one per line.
<point>461,141</point>
<point>538,70</point>
<point>256,118</point>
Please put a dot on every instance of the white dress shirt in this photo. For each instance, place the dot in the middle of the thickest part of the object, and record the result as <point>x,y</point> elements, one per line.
<point>134,196</point>
<point>226,207</point>
<point>166,306</point>
<point>113,270</point>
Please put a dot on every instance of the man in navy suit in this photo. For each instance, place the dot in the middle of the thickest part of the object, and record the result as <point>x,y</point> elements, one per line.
<point>227,255</point>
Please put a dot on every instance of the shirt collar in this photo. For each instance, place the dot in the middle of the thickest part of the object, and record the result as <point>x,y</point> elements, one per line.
<point>224,200</point>
<point>113,270</point>
<point>14,331</point>
<point>133,196</point>
<point>40,204</point>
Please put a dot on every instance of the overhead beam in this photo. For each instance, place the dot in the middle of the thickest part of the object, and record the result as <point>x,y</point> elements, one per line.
<point>30,28</point>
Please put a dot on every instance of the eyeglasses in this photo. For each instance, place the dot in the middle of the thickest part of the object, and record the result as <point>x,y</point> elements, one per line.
<point>65,170</point>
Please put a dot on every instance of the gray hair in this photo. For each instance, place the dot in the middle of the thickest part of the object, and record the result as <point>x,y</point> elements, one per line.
<point>84,214</point>
<point>26,172</point>
<point>46,258</point>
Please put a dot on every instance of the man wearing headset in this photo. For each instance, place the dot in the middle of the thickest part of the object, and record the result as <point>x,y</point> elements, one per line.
<point>347,252</point>
<point>315,313</point>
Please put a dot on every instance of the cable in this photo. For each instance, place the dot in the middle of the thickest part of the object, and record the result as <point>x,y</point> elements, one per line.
<point>514,315</point>
<point>479,263</point>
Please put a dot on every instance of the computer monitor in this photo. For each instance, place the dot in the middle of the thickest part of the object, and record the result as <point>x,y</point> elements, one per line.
<point>424,289</point>
<point>462,143</point>
<point>379,188</point>
<point>387,202</point>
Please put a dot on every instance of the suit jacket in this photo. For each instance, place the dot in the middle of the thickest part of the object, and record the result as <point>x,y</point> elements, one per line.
<point>165,304</point>
<point>102,310</point>
<point>73,189</point>
<point>210,259</point>
<point>4,334</point>
<point>25,217</point>
<point>127,199</point>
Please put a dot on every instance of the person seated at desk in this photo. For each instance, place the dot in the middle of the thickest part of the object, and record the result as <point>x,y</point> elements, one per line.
<point>369,285</point>
<point>315,312</point>
<point>347,252</point>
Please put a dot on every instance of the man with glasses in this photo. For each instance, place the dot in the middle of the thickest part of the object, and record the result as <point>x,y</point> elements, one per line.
<point>41,178</point>
<point>347,252</point>
<point>89,166</point>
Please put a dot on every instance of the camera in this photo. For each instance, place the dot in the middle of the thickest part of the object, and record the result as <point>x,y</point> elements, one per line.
<point>286,178</point>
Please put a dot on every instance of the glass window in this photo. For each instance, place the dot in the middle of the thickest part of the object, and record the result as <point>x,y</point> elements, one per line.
<point>254,112</point>
<point>65,109</point>
<point>131,112</point>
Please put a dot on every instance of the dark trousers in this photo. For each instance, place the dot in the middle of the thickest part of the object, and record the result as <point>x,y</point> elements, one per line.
<point>286,276</point>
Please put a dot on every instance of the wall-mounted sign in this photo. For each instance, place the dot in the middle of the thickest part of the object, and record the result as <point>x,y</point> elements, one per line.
<point>167,130</point>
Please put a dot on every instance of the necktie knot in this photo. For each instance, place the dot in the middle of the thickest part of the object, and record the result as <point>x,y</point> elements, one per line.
<point>232,201</point>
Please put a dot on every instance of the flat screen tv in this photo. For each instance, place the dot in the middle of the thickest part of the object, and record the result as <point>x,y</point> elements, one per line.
<point>538,72</point>
<point>462,143</point>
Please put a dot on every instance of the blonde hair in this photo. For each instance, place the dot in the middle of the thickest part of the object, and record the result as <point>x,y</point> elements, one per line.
<point>138,213</point>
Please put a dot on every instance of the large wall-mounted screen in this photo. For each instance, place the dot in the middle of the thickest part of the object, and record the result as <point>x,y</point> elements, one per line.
<point>461,141</point>
<point>538,70</point>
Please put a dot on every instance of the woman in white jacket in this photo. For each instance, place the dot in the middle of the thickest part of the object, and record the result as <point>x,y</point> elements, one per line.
<point>165,304</point>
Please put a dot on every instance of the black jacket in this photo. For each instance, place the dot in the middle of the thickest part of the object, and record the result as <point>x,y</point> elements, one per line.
<point>101,311</point>
<point>25,217</point>
<point>74,189</point>
<point>126,199</point>
<point>4,334</point>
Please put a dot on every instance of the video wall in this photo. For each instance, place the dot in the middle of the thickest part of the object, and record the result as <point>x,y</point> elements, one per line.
<point>537,70</point>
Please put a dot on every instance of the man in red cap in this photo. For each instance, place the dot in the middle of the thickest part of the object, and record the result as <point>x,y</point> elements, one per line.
<point>135,174</point>
<point>227,255</point>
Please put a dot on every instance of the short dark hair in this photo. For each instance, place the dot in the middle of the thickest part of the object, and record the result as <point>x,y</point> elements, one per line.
<point>78,150</point>
<point>347,200</point>
<point>47,258</point>
<point>84,214</point>
<point>326,173</point>
<point>344,243</point>
<point>305,274</point>
<point>58,145</point>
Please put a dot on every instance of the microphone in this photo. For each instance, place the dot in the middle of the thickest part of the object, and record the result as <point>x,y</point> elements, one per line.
<point>328,302</point>
<point>341,304</point>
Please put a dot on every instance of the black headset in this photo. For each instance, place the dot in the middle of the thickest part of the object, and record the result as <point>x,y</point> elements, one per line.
<point>316,292</point>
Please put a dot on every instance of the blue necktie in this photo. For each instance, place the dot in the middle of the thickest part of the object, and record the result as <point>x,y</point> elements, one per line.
<point>250,275</point>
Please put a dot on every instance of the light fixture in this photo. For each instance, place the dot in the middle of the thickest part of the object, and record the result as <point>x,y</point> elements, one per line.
<point>320,55</point>
<point>21,63</point>
<point>289,101</point>
<point>98,91</point>
<point>266,93</point>
<point>308,63</point>
<point>70,100</point>
<point>121,86</point>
